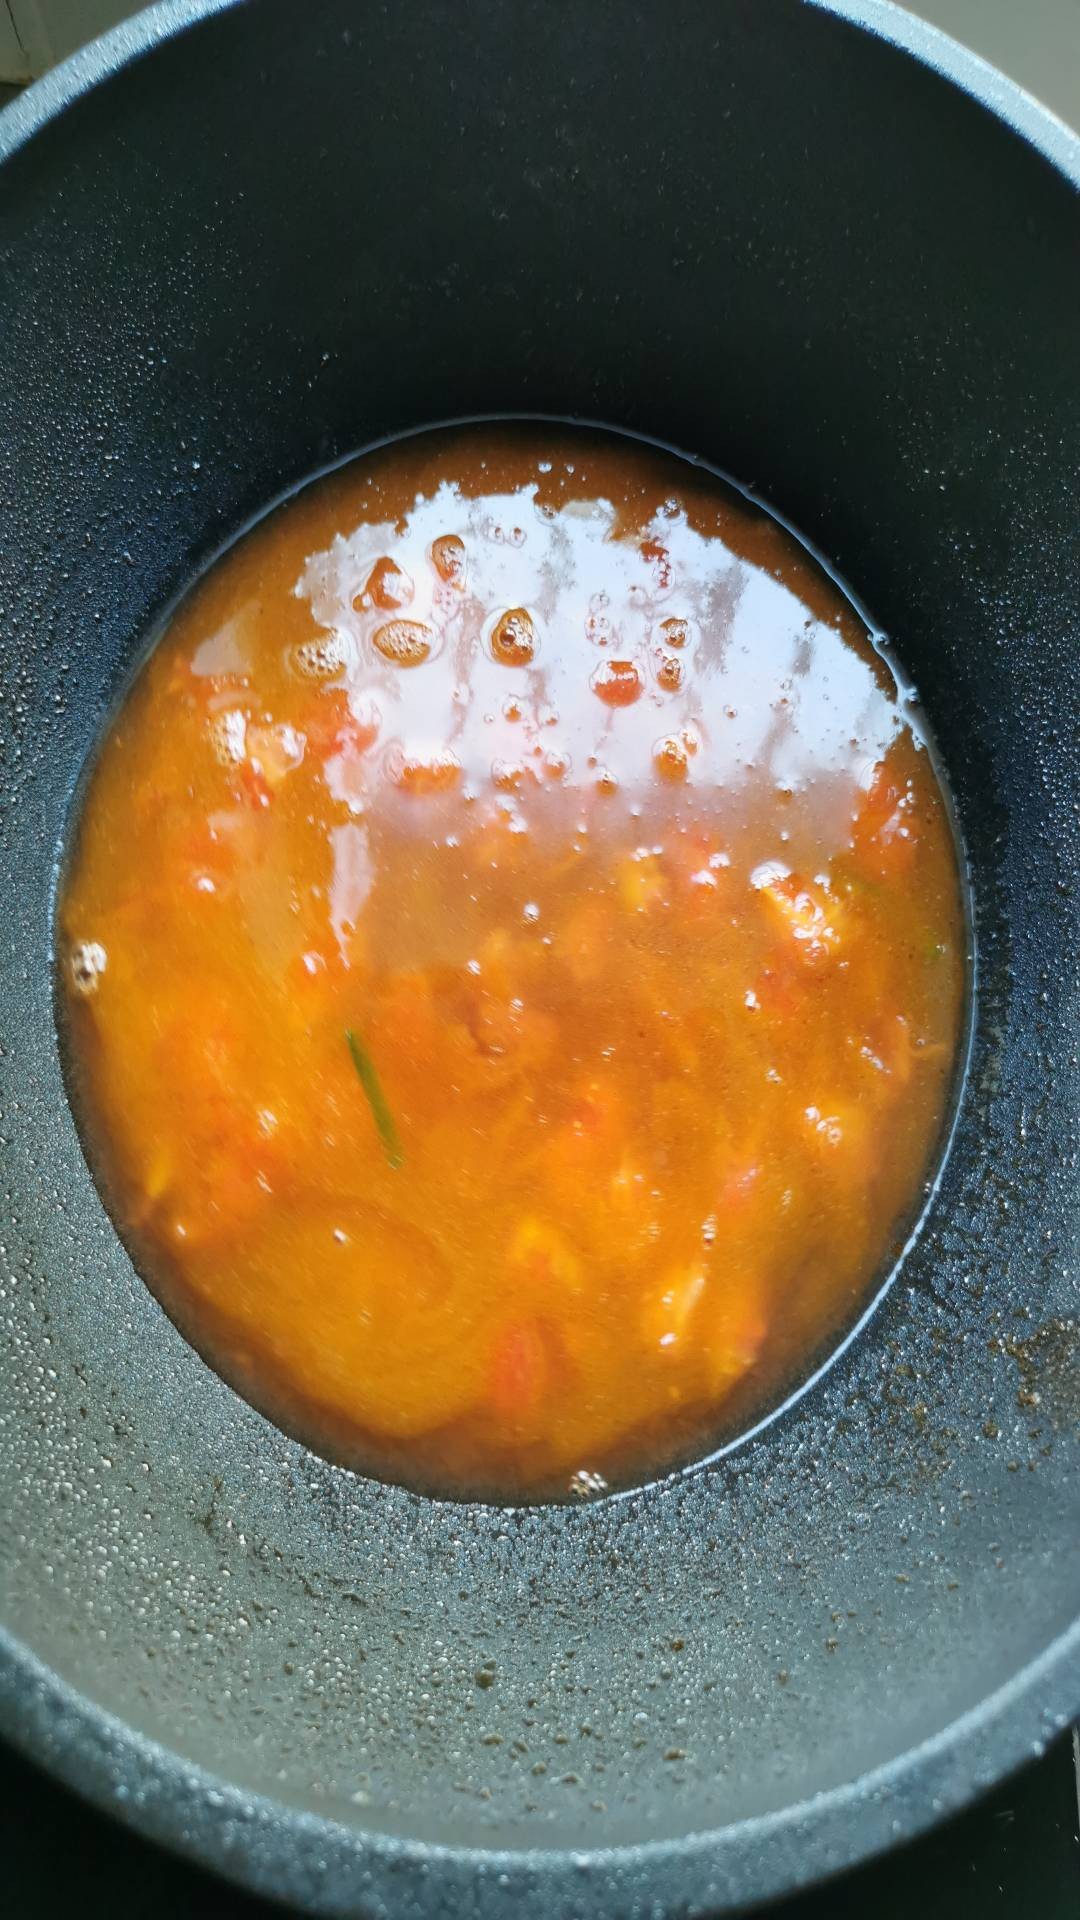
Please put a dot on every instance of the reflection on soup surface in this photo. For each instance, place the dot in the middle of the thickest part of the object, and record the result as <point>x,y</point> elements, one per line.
<point>513,961</point>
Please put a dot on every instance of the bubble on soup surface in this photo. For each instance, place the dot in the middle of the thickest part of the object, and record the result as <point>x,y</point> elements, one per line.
<point>655,552</point>
<point>422,773</point>
<point>669,673</point>
<point>513,639</point>
<point>388,587</point>
<point>509,776</point>
<point>227,734</point>
<point>448,559</point>
<point>321,659</point>
<point>617,683</point>
<point>584,1485</point>
<point>675,633</point>
<point>405,643</point>
<point>87,962</point>
<point>671,759</point>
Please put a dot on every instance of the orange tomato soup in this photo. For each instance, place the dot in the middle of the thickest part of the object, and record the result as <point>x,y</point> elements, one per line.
<point>513,960</point>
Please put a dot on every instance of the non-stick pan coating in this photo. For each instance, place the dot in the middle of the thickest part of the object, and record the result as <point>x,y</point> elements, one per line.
<point>757,230</point>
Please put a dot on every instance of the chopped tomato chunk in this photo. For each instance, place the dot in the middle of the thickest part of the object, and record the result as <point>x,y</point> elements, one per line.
<point>520,1372</point>
<point>811,920</point>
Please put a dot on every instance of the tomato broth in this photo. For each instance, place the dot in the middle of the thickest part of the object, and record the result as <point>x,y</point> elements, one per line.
<point>512,957</point>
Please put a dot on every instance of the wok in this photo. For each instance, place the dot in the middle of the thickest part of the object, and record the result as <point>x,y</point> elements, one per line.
<point>826,250</point>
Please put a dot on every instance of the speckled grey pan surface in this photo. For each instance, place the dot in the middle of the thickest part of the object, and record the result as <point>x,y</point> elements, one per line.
<point>236,244</point>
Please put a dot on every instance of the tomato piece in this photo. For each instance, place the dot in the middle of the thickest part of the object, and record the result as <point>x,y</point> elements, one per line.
<point>541,1257</point>
<point>314,979</point>
<point>584,1149</point>
<point>412,1031</point>
<point>585,944</point>
<point>886,835</point>
<point>204,852</point>
<point>232,1152</point>
<point>897,1050</point>
<point>799,909</point>
<point>521,1372</point>
<point>735,1324</point>
<point>841,1137</point>
<point>388,586</point>
<point>778,991</point>
<point>251,787</point>
<point>643,882</point>
<point>668,1316</point>
<point>329,725</point>
<point>275,751</point>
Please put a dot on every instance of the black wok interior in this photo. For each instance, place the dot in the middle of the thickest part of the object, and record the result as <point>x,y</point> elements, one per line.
<point>767,236</point>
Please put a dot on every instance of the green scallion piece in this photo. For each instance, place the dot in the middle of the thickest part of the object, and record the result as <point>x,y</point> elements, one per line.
<point>376,1098</point>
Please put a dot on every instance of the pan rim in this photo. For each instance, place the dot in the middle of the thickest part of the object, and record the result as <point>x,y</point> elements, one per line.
<point>32,110</point>
<point>315,1861</point>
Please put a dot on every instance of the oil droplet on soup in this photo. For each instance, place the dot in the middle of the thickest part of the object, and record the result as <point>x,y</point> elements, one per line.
<point>514,961</point>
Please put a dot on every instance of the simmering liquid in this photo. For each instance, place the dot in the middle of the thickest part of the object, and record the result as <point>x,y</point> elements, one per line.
<point>513,958</point>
